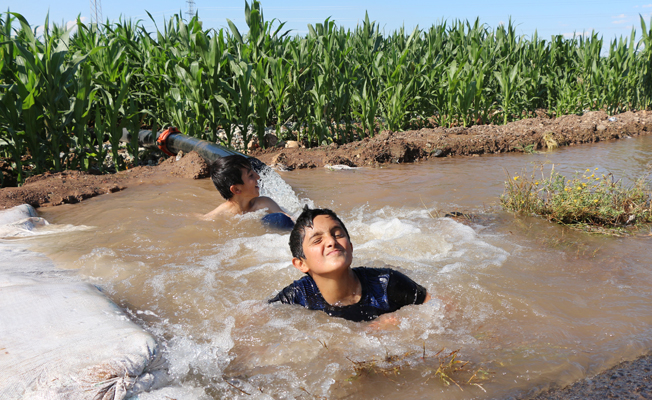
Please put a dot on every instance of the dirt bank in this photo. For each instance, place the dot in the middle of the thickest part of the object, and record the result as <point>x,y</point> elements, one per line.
<point>412,146</point>
<point>53,189</point>
<point>533,134</point>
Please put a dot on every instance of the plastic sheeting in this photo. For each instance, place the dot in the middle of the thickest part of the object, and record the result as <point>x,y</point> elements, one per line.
<point>63,339</point>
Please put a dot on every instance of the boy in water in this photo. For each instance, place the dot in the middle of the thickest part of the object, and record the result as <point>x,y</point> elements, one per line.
<point>322,249</point>
<point>237,182</point>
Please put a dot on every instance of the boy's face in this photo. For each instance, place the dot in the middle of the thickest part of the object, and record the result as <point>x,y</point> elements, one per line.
<point>249,187</point>
<point>326,247</point>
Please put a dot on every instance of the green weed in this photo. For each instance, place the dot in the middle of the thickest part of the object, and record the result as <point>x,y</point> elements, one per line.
<point>595,203</point>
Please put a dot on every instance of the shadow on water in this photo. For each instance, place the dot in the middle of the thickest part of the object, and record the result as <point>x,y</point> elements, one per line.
<point>528,303</point>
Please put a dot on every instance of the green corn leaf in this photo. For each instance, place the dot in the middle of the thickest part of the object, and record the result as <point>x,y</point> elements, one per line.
<point>234,31</point>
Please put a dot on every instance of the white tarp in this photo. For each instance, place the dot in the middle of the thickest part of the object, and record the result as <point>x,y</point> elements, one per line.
<point>61,338</point>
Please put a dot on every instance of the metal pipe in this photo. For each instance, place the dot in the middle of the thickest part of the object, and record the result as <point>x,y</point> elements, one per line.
<point>175,141</point>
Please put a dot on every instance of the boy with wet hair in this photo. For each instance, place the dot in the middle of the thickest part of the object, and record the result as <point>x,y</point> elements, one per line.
<point>237,182</point>
<point>321,248</point>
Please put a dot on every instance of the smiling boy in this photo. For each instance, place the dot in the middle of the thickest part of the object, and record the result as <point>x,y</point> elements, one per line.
<point>321,248</point>
<point>237,182</point>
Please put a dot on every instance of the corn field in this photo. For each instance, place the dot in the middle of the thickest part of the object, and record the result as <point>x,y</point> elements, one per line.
<point>66,92</point>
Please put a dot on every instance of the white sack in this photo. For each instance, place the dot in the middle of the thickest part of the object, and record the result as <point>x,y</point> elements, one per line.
<point>68,341</point>
<point>63,339</point>
<point>17,213</point>
<point>19,221</point>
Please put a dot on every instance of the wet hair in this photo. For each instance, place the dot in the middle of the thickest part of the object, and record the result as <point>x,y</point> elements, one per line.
<point>227,171</point>
<point>304,221</point>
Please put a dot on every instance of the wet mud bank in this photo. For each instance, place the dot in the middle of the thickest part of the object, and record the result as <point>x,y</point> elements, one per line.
<point>69,187</point>
<point>627,380</point>
<point>534,134</point>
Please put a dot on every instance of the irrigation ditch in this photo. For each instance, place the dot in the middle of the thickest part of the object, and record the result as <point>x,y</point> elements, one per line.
<point>627,380</point>
<point>378,87</point>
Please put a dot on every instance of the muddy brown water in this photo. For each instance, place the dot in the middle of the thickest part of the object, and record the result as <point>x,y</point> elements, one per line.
<point>529,304</point>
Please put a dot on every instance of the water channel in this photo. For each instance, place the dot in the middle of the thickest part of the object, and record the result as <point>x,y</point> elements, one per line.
<point>529,303</point>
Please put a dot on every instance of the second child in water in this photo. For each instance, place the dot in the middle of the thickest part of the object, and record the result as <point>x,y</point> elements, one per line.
<point>237,182</point>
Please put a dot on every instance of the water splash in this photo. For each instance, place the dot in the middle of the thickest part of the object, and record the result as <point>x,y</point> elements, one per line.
<point>272,185</point>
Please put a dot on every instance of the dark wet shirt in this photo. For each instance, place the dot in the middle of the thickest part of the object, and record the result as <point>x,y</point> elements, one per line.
<point>383,291</point>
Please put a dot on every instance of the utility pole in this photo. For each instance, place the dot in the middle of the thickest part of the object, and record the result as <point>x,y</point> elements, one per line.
<point>191,9</point>
<point>96,11</point>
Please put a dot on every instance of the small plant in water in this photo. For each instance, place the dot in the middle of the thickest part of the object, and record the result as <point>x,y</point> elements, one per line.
<point>594,203</point>
<point>442,366</point>
<point>530,148</point>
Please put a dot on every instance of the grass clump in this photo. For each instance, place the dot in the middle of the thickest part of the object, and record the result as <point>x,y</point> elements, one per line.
<point>443,366</point>
<point>590,202</point>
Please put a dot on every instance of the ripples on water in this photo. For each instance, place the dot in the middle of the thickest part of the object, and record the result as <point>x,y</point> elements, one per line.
<point>533,304</point>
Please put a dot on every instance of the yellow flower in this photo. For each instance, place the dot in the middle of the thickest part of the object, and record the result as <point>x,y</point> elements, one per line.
<point>584,184</point>
<point>536,183</point>
<point>597,179</point>
<point>596,168</point>
<point>516,178</point>
<point>588,170</point>
<point>566,189</point>
<point>579,188</point>
<point>595,201</point>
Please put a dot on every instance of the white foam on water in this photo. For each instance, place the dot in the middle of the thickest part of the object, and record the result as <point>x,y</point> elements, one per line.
<point>187,392</point>
<point>245,255</point>
<point>413,240</point>
<point>36,226</point>
<point>205,356</point>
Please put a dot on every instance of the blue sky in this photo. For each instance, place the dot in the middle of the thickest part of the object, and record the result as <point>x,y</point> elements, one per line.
<point>610,18</point>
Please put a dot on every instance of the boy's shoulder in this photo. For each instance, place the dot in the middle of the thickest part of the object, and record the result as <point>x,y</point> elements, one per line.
<point>261,202</point>
<point>223,209</point>
<point>392,283</point>
<point>399,288</point>
<point>375,273</point>
<point>300,292</point>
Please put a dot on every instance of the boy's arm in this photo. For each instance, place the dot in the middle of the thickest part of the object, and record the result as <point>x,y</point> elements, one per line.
<point>390,321</point>
<point>427,299</point>
<point>402,291</point>
<point>269,204</point>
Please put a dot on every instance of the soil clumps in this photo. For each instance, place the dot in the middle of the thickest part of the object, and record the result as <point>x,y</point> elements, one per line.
<point>410,146</point>
<point>53,189</point>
